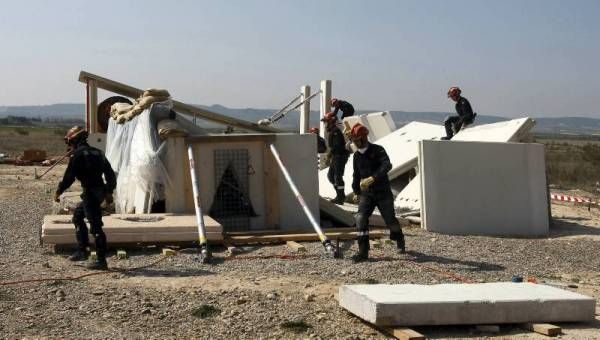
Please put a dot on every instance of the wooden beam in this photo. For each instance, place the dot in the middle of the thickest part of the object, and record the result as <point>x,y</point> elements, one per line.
<point>295,246</point>
<point>283,238</point>
<point>405,334</point>
<point>543,328</point>
<point>132,92</point>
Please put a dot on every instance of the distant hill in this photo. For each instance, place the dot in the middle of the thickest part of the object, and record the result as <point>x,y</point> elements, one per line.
<point>561,125</point>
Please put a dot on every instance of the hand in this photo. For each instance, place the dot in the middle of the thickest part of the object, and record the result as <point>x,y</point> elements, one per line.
<point>108,198</point>
<point>327,159</point>
<point>366,183</point>
<point>56,197</point>
<point>355,198</point>
<point>346,132</point>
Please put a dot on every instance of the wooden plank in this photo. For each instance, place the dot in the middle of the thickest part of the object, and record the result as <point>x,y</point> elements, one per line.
<point>295,246</point>
<point>405,334</point>
<point>271,190</point>
<point>283,238</point>
<point>543,328</point>
<point>125,238</point>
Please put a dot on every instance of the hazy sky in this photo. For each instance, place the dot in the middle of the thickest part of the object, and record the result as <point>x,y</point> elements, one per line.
<point>510,57</point>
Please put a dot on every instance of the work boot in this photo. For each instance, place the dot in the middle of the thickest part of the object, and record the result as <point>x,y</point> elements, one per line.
<point>398,236</point>
<point>446,138</point>
<point>363,250</point>
<point>339,198</point>
<point>79,255</point>
<point>98,265</point>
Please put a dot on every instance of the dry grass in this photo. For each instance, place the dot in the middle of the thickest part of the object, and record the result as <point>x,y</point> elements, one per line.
<point>16,139</point>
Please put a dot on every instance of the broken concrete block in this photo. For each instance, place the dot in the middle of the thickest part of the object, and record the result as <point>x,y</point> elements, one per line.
<point>168,252</point>
<point>121,254</point>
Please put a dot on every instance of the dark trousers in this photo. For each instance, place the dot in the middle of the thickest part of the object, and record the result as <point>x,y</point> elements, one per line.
<point>385,203</point>
<point>335,174</point>
<point>89,208</point>
<point>453,123</point>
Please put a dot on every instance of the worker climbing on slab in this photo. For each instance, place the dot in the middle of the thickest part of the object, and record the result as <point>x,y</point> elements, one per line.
<point>372,189</point>
<point>88,164</point>
<point>321,143</point>
<point>346,108</point>
<point>465,117</point>
<point>337,156</point>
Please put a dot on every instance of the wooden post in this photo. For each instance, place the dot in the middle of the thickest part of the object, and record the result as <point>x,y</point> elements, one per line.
<point>174,198</point>
<point>92,108</point>
<point>304,109</point>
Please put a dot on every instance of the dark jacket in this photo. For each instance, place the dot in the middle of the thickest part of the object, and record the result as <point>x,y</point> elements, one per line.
<point>347,109</point>
<point>463,108</point>
<point>337,143</point>
<point>321,144</point>
<point>374,162</point>
<point>88,164</point>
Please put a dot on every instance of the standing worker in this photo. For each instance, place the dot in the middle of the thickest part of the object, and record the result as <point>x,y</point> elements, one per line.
<point>88,164</point>
<point>337,156</point>
<point>347,108</point>
<point>321,143</point>
<point>372,189</point>
<point>465,113</point>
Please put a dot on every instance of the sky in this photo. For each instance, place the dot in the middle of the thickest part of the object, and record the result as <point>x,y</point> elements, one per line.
<point>511,58</point>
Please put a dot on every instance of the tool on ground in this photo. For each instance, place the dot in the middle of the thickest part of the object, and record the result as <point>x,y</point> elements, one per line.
<point>35,175</point>
<point>329,248</point>
<point>285,110</point>
<point>204,255</point>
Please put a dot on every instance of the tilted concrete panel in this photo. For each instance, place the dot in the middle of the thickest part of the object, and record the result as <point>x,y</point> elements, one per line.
<point>476,188</point>
<point>455,304</point>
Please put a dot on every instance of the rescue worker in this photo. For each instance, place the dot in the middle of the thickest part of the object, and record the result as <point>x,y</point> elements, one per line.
<point>346,108</point>
<point>88,164</point>
<point>337,156</point>
<point>453,124</point>
<point>372,189</point>
<point>321,144</point>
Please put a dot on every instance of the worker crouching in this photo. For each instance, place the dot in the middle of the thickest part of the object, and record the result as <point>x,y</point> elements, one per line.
<point>337,156</point>
<point>372,189</point>
<point>88,165</point>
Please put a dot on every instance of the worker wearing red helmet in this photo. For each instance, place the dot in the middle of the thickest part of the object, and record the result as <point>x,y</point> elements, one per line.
<point>338,155</point>
<point>346,108</point>
<point>88,165</point>
<point>321,143</point>
<point>453,124</point>
<point>372,189</point>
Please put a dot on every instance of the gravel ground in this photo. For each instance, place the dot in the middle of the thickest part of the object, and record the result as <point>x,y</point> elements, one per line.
<point>253,298</point>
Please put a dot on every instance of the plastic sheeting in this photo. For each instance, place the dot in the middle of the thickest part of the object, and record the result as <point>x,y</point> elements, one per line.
<point>137,155</point>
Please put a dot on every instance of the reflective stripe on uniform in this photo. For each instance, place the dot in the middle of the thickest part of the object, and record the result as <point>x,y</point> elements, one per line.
<point>363,233</point>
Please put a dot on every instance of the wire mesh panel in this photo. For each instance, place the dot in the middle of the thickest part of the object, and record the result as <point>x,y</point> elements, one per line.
<point>231,205</point>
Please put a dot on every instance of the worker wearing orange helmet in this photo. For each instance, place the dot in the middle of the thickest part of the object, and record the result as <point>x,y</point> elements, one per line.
<point>346,108</point>
<point>89,166</point>
<point>453,124</point>
<point>371,188</point>
<point>338,156</point>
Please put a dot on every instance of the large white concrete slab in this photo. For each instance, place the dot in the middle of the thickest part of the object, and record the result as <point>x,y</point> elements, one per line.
<point>476,188</point>
<point>381,124</point>
<point>410,197</point>
<point>454,304</point>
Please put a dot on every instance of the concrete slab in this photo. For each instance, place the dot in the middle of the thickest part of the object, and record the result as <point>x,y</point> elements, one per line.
<point>454,304</point>
<point>410,197</point>
<point>381,124</point>
<point>475,188</point>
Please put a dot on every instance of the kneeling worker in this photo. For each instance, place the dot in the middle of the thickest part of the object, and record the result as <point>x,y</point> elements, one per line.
<point>338,156</point>
<point>465,113</point>
<point>372,189</point>
<point>88,164</point>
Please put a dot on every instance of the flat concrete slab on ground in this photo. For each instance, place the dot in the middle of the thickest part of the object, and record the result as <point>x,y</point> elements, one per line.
<point>468,304</point>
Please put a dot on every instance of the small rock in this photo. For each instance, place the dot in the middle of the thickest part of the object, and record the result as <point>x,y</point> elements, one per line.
<point>309,297</point>
<point>271,296</point>
<point>60,298</point>
<point>146,311</point>
<point>46,265</point>
<point>60,293</point>
<point>308,285</point>
<point>241,301</point>
<point>98,292</point>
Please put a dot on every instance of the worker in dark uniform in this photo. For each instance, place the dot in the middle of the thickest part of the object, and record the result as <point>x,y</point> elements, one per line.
<point>372,189</point>
<point>88,164</point>
<point>465,113</point>
<point>346,108</point>
<point>338,156</point>
<point>321,143</point>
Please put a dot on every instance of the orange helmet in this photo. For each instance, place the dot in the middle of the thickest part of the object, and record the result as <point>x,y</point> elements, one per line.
<point>76,135</point>
<point>359,130</point>
<point>314,130</point>
<point>454,91</point>
<point>334,101</point>
<point>329,117</point>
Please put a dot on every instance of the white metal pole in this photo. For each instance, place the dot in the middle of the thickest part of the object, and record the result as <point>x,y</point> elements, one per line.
<point>196,189</point>
<point>299,197</point>
<point>325,104</point>
<point>304,109</point>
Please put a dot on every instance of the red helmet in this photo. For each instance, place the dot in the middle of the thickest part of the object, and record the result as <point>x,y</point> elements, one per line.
<point>359,130</point>
<point>454,91</point>
<point>329,117</point>
<point>334,101</point>
<point>314,130</point>
<point>76,135</point>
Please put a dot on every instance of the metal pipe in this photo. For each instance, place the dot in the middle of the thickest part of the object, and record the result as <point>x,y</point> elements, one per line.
<point>204,253</point>
<point>54,165</point>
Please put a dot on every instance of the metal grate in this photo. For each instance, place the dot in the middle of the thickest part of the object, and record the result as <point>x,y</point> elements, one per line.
<point>231,205</point>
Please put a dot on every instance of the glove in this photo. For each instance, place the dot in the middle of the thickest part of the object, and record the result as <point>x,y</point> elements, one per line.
<point>108,198</point>
<point>346,132</point>
<point>56,197</point>
<point>355,198</point>
<point>327,159</point>
<point>366,183</point>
